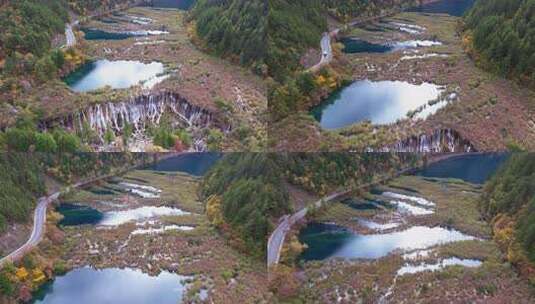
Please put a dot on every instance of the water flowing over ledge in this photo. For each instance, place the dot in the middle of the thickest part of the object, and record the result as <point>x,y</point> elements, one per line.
<point>441,140</point>
<point>140,112</point>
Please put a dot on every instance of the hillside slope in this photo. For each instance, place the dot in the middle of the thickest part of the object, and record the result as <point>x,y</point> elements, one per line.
<point>501,35</point>
<point>234,29</point>
<point>509,203</point>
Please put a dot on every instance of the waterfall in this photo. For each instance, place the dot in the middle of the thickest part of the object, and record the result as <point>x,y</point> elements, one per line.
<point>140,112</point>
<point>441,140</point>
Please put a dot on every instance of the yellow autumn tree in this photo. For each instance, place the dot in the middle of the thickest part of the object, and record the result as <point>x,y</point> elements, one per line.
<point>292,249</point>
<point>213,210</point>
<point>22,274</point>
<point>38,275</point>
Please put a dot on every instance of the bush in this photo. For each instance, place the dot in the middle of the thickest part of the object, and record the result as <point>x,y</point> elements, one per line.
<point>214,139</point>
<point>109,136</point>
<point>6,286</point>
<point>58,58</point>
<point>184,137</point>
<point>60,267</point>
<point>19,140</point>
<point>67,142</point>
<point>164,138</point>
<point>44,142</point>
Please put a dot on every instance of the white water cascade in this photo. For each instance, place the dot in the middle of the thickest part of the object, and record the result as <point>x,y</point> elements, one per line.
<point>441,140</point>
<point>140,112</point>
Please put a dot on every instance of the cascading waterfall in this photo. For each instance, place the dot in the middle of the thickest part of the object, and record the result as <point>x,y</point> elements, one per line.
<point>441,140</point>
<point>140,112</point>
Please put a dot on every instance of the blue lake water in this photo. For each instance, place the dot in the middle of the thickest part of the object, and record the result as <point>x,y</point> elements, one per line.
<point>360,204</point>
<point>451,7</point>
<point>120,74</point>
<point>191,163</point>
<point>330,241</point>
<point>470,168</point>
<point>180,4</point>
<point>354,45</point>
<point>112,285</point>
<point>96,34</point>
<point>78,215</point>
<point>381,102</point>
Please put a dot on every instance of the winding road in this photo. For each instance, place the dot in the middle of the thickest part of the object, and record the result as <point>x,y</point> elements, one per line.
<point>39,214</point>
<point>326,39</point>
<point>39,220</point>
<point>277,237</point>
<point>326,51</point>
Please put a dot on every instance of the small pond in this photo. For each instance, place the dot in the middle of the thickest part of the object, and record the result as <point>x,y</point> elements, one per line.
<point>180,4</point>
<point>120,74</point>
<point>74,215</point>
<point>411,269</point>
<point>115,218</point>
<point>355,45</point>
<point>96,34</point>
<point>112,285</point>
<point>329,241</point>
<point>381,102</point>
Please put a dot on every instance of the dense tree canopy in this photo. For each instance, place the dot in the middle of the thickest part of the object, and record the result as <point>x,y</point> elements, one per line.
<point>251,193</point>
<point>29,25</point>
<point>322,173</point>
<point>502,32</point>
<point>512,192</point>
<point>293,26</point>
<point>345,10</point>
<point>233,28</point>
<point>26,40</point>
<point>21,178</point>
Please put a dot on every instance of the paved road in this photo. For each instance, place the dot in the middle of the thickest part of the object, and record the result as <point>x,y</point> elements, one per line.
<point>326,51</point>
<point>326,45</point>
<point>276,240</point>
<point>39,215</point>
<point>39,220</point>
